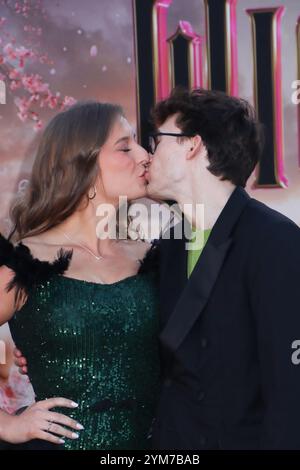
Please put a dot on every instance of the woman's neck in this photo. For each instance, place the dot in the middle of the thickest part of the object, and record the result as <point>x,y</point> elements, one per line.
<point>91,228</point>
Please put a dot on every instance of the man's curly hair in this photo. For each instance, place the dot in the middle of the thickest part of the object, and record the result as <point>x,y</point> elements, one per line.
<point>228,126</point>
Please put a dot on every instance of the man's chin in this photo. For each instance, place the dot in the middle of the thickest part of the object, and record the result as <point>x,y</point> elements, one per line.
<point>152,194</point>
<point>149,189</point>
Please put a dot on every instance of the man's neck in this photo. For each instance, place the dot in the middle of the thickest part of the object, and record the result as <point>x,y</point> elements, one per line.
<point>211,193</point>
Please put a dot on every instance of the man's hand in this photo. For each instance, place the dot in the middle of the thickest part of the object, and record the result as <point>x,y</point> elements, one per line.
<point>20,361</point>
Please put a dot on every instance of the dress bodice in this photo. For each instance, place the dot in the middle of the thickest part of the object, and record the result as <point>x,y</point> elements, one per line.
<point>96,344</point>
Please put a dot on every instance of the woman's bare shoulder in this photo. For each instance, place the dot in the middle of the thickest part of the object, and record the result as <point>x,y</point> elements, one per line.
<point>40,247</point>
<point>8,304</point>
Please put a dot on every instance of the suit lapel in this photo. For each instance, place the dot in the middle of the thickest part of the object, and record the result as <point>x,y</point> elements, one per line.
<point>195,295</point>
<point>173,273</point>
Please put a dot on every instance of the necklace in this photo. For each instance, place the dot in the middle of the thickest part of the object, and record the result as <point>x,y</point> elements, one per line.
<point>82,246</point>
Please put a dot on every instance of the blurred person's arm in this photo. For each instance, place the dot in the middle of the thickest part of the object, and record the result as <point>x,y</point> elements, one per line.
<point>6,353</point>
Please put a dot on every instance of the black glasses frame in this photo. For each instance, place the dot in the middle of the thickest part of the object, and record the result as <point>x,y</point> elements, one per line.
<point>153,136</point>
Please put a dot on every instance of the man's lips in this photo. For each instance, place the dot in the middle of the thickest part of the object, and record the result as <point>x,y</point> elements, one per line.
<point>146,175</point>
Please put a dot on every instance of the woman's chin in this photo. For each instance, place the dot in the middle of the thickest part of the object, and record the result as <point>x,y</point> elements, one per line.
<point>142,193</point>
<point>143,186</point>
<point>138,194</point>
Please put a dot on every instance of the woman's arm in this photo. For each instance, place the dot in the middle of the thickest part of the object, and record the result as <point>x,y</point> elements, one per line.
<point>6,353</point>
<point>8,304</point>
<point>37,421</point>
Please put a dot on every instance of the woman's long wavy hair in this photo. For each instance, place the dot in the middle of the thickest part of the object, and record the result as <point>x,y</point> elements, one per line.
<point>65,167</point>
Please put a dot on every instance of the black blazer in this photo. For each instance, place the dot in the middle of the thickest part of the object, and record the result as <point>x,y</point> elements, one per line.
<point>228,379</point>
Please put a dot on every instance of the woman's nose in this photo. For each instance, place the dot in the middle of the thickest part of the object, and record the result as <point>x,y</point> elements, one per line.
<point>144,156</point>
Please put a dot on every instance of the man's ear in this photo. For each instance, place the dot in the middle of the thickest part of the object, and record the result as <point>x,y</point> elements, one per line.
<point>196,146</point>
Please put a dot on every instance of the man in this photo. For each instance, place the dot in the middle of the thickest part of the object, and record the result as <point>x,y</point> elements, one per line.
<point>228,331</point>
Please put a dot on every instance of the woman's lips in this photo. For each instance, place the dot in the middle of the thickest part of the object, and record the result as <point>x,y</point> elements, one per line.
<point>145,174</point>
<point>142,175</point>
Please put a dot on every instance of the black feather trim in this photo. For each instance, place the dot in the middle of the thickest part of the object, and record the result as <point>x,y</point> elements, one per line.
<point>151,259</point>
<point>30,271</point>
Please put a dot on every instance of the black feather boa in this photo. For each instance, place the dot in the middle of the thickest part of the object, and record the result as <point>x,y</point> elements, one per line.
<point>30,271</point>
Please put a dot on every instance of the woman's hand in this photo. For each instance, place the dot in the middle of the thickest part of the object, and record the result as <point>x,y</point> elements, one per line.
<point>38,422</point>
<point>20,361</point>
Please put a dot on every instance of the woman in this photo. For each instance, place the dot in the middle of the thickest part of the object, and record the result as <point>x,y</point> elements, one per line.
<point>90,335</point>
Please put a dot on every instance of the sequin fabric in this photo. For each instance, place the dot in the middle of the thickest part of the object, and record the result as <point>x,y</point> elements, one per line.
<point>96,344</point>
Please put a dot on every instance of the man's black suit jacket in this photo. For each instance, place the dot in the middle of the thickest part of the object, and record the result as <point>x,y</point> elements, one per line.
<point>227,334</point>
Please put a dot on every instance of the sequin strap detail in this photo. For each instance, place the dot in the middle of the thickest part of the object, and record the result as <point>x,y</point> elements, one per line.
<point>30,271</point>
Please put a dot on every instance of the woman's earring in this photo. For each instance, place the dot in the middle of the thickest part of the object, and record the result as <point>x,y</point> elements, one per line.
<point>94,193</point>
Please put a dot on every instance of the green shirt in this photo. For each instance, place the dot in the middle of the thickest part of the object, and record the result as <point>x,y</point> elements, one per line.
<point>193,255</point>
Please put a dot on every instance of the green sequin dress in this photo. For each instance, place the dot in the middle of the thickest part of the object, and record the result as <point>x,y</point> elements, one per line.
<point>96,344</point>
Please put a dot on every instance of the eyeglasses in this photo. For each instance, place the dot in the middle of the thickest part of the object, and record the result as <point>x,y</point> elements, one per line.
<point>153,139</point>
